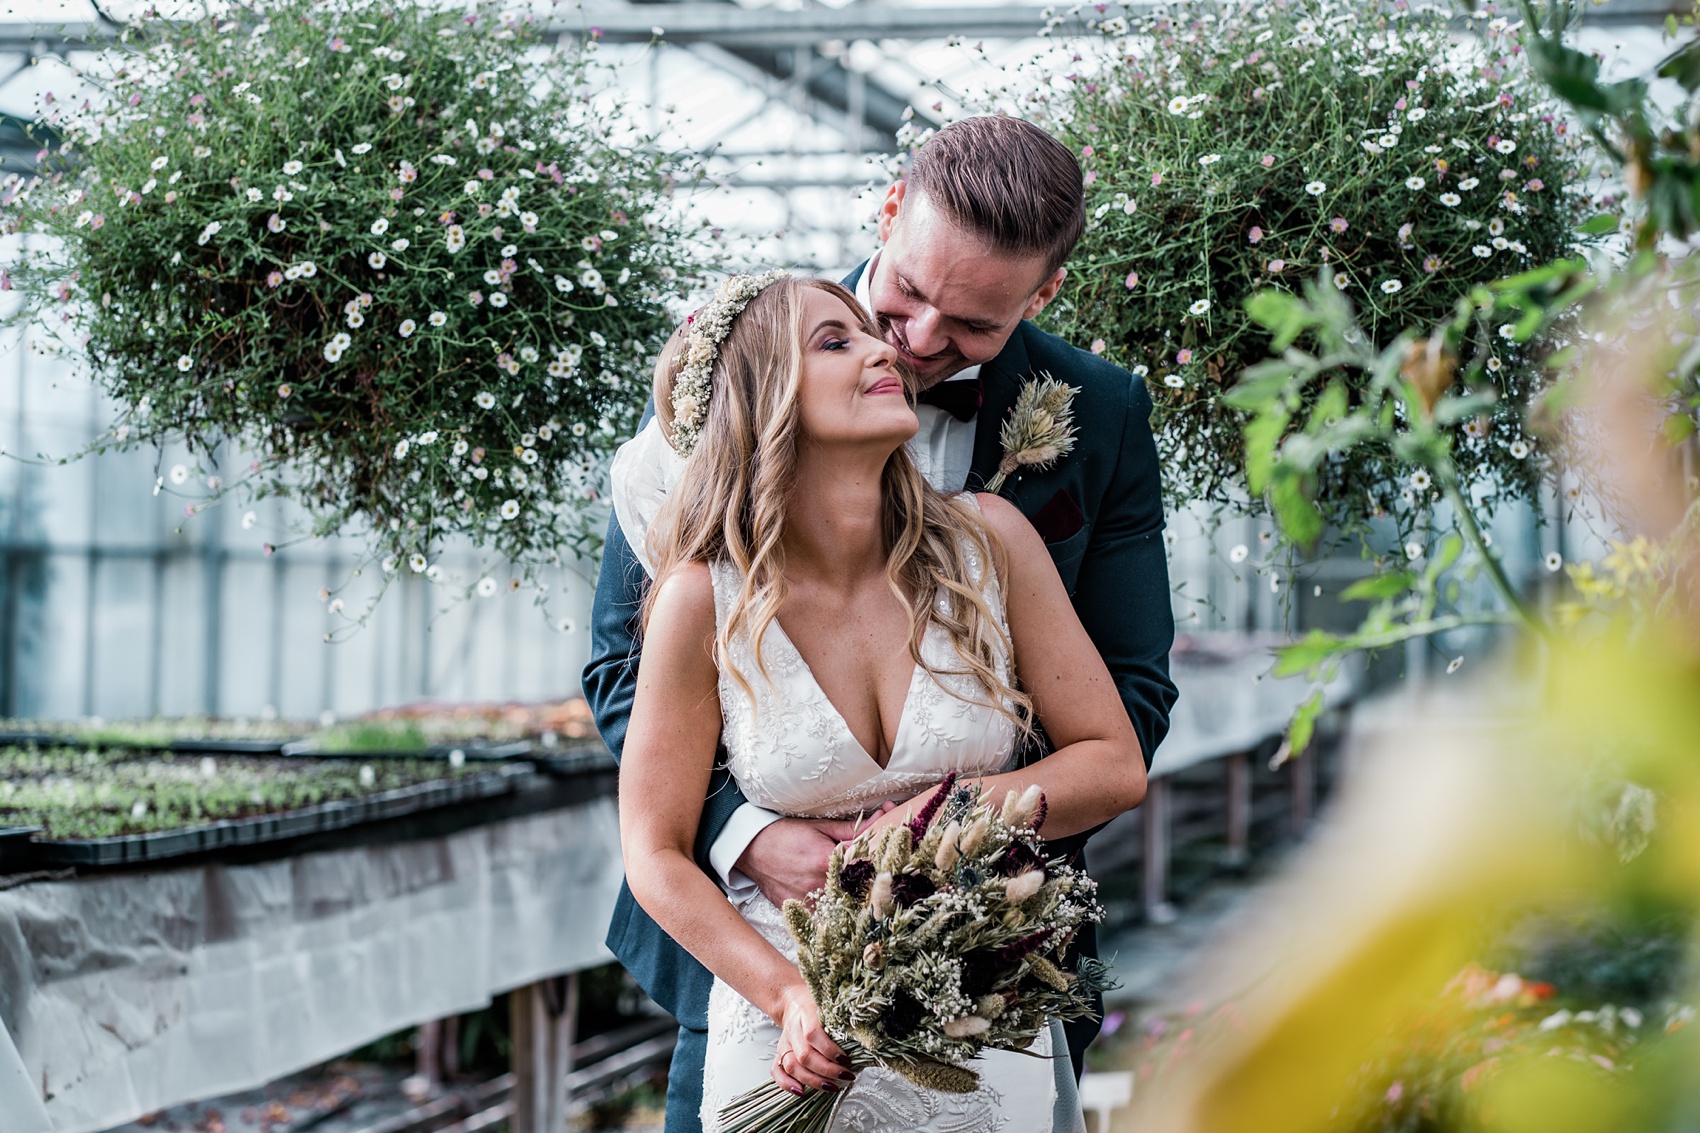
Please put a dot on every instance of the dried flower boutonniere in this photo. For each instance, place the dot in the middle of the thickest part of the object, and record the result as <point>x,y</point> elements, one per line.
<point>1039,429</point>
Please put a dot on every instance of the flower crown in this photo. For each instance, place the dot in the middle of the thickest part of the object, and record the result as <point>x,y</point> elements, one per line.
<point>709,328</point>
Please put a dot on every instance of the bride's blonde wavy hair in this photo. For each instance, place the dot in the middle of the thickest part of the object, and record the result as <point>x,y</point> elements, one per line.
<point>730,503</point>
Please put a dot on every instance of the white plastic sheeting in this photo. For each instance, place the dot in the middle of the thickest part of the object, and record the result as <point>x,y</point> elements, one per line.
<point>128,992</point>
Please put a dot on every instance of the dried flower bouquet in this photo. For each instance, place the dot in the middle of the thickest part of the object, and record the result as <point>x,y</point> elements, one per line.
<point>933,941</point>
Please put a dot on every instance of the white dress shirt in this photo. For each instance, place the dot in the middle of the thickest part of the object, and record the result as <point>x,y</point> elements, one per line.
<point>943,449</point>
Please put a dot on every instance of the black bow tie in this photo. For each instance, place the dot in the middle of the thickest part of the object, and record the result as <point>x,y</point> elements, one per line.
<point>961,399</point>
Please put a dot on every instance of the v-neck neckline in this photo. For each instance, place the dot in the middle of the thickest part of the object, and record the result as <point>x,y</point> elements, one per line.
<point>902,714</point>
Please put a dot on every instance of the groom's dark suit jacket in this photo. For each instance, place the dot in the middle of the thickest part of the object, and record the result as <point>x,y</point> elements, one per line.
<point>1100,511</point>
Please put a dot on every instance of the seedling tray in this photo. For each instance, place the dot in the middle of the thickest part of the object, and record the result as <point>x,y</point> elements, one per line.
<point>589,759</point>
<point>144,849</point>
<point>472,753</point>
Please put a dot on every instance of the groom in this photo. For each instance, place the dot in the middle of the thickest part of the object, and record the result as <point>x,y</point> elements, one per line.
<point>973,243</point>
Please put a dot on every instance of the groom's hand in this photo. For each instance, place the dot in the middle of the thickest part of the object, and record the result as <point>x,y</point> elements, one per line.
<point>788,859</point>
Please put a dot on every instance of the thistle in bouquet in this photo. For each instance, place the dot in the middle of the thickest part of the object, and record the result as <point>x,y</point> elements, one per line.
<point>934,940</point>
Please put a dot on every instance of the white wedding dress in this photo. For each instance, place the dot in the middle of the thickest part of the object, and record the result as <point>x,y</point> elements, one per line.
<point>791,751</point>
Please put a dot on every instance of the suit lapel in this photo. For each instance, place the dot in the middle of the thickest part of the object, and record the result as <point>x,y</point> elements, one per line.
<point>1001,379</point>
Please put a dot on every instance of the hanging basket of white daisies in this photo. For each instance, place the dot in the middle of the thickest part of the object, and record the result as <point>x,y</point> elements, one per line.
<point>393,256</point>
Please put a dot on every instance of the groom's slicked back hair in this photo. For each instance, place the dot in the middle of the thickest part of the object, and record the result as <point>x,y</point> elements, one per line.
<point>1007,181</point>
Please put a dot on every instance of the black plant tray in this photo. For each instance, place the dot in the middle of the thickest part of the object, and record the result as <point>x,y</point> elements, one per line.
<point>147,849</point>
<point>590,759</point>
<point>16,847</point>
<point>472,752</point>
<point>180,746</point>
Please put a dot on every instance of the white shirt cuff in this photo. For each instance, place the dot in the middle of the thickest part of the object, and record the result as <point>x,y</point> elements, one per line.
<point>735,837</point>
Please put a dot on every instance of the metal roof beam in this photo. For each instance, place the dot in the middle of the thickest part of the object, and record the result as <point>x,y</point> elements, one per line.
<point>730,25</point>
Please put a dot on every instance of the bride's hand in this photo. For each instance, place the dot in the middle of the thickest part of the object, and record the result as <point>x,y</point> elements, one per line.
<point>807,1057</point>
<point>845,829</point>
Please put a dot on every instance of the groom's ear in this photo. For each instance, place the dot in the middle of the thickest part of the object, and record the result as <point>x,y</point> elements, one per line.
<point>890,209</point>
<point>1047,291</point>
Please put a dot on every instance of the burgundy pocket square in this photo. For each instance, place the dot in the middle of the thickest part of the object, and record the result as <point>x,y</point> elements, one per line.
<point>1059,518</point>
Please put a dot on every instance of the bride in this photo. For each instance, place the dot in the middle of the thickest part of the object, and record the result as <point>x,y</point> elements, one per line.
<point>851,636</point>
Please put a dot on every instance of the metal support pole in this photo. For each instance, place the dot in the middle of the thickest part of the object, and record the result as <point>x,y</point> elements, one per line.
<point>1302,784</point>
<point>1154,838</point>
<point>543,1019</point>
<point>1239,811</point>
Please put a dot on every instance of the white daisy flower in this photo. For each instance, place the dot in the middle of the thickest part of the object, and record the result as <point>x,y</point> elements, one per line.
<point>1453,665</point>
<point>1518,450</point>
<point>484,399</point>
<point>159,163</point>
<point>1387,141</point>
<point>1316,188</point>
<point>473,188</point>
<point>498,299</point>
<point>455,238</point>
<point>493,277</point>
<point>1179,104</point>
<point>1496,226</point>
<point>562,283</point>
<point>528,455</point>
<point>1420,480</point>
<point>1391,286</point>
<point>363,147</point>
<point>1342,280</point>
<point>406,328</point>
<point>510,249</point>
<point>1199,307</point>
<point>436,318</point>
<point>377,260</point>
<point>1414,183</point>
<point>355,319</point>
<point>1174,381</point>
<point>1505,145</point>
<point>434,572</point>
<point>1413,551</point>
<point>179,473</point>
<point>1469,183</point>
<point>1210,159</point>
<point>1500,243</point>
<point>401,448</point>
<point>255,195</point>
<point>281,195</point>
<point>1239,553</point>
<point>486,587</point>
<point>442,159</point>
<point>1451,200</point>
<point>416,563</point>
<point>249,519</point>
<point>185,363</point>
<point>380,226</point>
<point>1507,331</point>
<point>1493,365</point>
<point>528,354</point>
<point>276,223</point>
<point>460,447</point>
<point>399,245</point>
<point>1481,250</point>
<point>291,168</point>
<point>1554,561</point>
<point>1416,114</point>
<point>510,508</point>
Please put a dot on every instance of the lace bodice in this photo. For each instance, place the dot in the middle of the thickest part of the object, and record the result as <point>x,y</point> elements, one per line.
<point>791,751</point>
